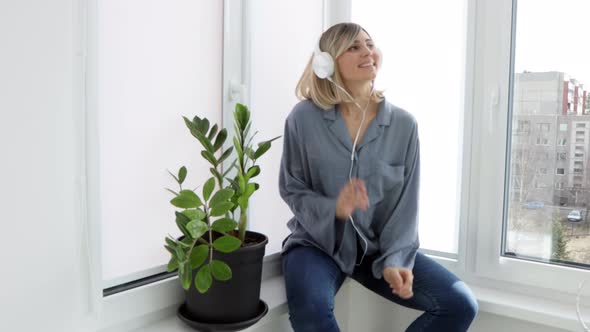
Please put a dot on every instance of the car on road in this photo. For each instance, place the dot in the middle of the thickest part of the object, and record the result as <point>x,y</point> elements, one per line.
<point>534,205</point>
<point>575,215</point>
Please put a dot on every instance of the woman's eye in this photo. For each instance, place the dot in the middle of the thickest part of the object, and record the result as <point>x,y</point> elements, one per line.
<point>353,48</point>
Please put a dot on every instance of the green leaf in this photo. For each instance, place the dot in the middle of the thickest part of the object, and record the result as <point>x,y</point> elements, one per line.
<point>197,228</point>
<point>195,128</point>
<point>212,132</point>
<point>185,275</point>
<point>203,126</point>
<point>181,174</point>
<point>220,270</point>
<point>208,188</point>
<point>186,199</point>
<point>270,140</point>
<point>253,171</point>
<point>221,196</point>
<point>181,221</point>
<point>180,253</point>
<point>171,243</point>
<point>172,265</point>
<point>238,148</point>
<point>262,148</point>
<point>198,255</point>
<point>203,279</point>
<point>210,157</point>
<point>220,139</point>
<point>250,189</point>
<point>250,153</point>
<point>171,250</point>
<point>224,225</point>
<point>221,209</point>
<point>174,176</point>
<point>226,154</point>
<point>242,115</point>
<point>194,214</point>
<point>189,124</point>
<point>182,217</point>
<point>187,241</point>
<point>227,243</point>
<point>205,142</point>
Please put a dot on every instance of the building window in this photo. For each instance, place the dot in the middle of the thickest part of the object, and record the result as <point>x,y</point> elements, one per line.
<point>523,127</point>
<point>562,141</point>
<point>561,156</point>
<point>544,127</point>
<point>580,125</point>
<point>542,141</point>
<point>560,171</point>
<point>563,127</point>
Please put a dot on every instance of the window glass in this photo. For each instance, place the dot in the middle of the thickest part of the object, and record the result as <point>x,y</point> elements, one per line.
<point>547,212</point>
<point>423,72</point>
<point>157,61</point>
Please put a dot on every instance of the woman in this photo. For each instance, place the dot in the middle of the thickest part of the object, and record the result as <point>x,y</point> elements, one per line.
<point>349,173</point>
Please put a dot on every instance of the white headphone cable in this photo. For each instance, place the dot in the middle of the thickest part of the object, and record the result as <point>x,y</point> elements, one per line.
<point>364,112</point>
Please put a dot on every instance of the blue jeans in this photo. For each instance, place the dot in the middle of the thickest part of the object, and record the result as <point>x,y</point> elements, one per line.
<point>312,279</point>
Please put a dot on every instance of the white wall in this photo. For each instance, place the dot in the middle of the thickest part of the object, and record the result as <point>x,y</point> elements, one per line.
<point>40,148</point>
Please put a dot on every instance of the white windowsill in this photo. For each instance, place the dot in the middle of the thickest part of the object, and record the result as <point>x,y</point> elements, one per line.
<point>169,294</point>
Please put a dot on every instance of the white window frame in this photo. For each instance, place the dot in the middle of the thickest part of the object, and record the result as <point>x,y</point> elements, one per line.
<point>491,100</point>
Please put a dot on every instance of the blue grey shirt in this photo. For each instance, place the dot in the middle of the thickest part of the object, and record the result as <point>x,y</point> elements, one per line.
<point>315,167</point>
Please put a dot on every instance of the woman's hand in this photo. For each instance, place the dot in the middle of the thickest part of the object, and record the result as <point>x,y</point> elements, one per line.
<point>353,196</point>
<point>400,280</point>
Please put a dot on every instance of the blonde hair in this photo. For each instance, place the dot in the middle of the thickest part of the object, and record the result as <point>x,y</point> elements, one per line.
<point>336,40</point>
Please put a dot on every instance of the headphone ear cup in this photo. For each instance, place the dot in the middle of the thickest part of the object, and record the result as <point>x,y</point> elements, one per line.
<point>323,65</point>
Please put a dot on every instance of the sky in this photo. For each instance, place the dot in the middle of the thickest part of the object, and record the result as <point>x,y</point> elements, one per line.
<point>554,36</point>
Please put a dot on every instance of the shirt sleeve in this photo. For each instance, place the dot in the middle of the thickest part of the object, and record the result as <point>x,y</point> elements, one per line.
<point>398,241</point>
<point>316,213</point>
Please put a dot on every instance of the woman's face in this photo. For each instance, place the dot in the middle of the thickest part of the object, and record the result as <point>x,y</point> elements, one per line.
<point>359,62</point>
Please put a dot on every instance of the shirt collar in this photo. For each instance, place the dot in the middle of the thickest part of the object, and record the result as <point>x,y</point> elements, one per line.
<point>383,114</point>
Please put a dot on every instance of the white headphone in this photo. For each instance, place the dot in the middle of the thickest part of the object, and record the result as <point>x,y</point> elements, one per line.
<point>323,67</point>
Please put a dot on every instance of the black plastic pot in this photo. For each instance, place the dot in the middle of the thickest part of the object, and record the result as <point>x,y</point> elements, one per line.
<point>237,299</point>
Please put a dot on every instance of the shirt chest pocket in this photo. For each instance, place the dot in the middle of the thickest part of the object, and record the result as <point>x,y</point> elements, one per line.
<point>385,180</point>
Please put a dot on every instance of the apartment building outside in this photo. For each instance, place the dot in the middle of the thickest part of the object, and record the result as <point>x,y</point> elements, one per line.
<point>550,141</point>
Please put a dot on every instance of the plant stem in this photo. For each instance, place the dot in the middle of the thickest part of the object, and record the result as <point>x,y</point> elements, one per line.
<point>210,235</point>
<point>242,226</point>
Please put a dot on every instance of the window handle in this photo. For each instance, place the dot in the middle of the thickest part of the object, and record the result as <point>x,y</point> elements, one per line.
<point>493,107</point>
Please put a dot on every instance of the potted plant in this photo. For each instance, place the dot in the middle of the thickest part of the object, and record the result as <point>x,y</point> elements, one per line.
<point>219,262</point>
